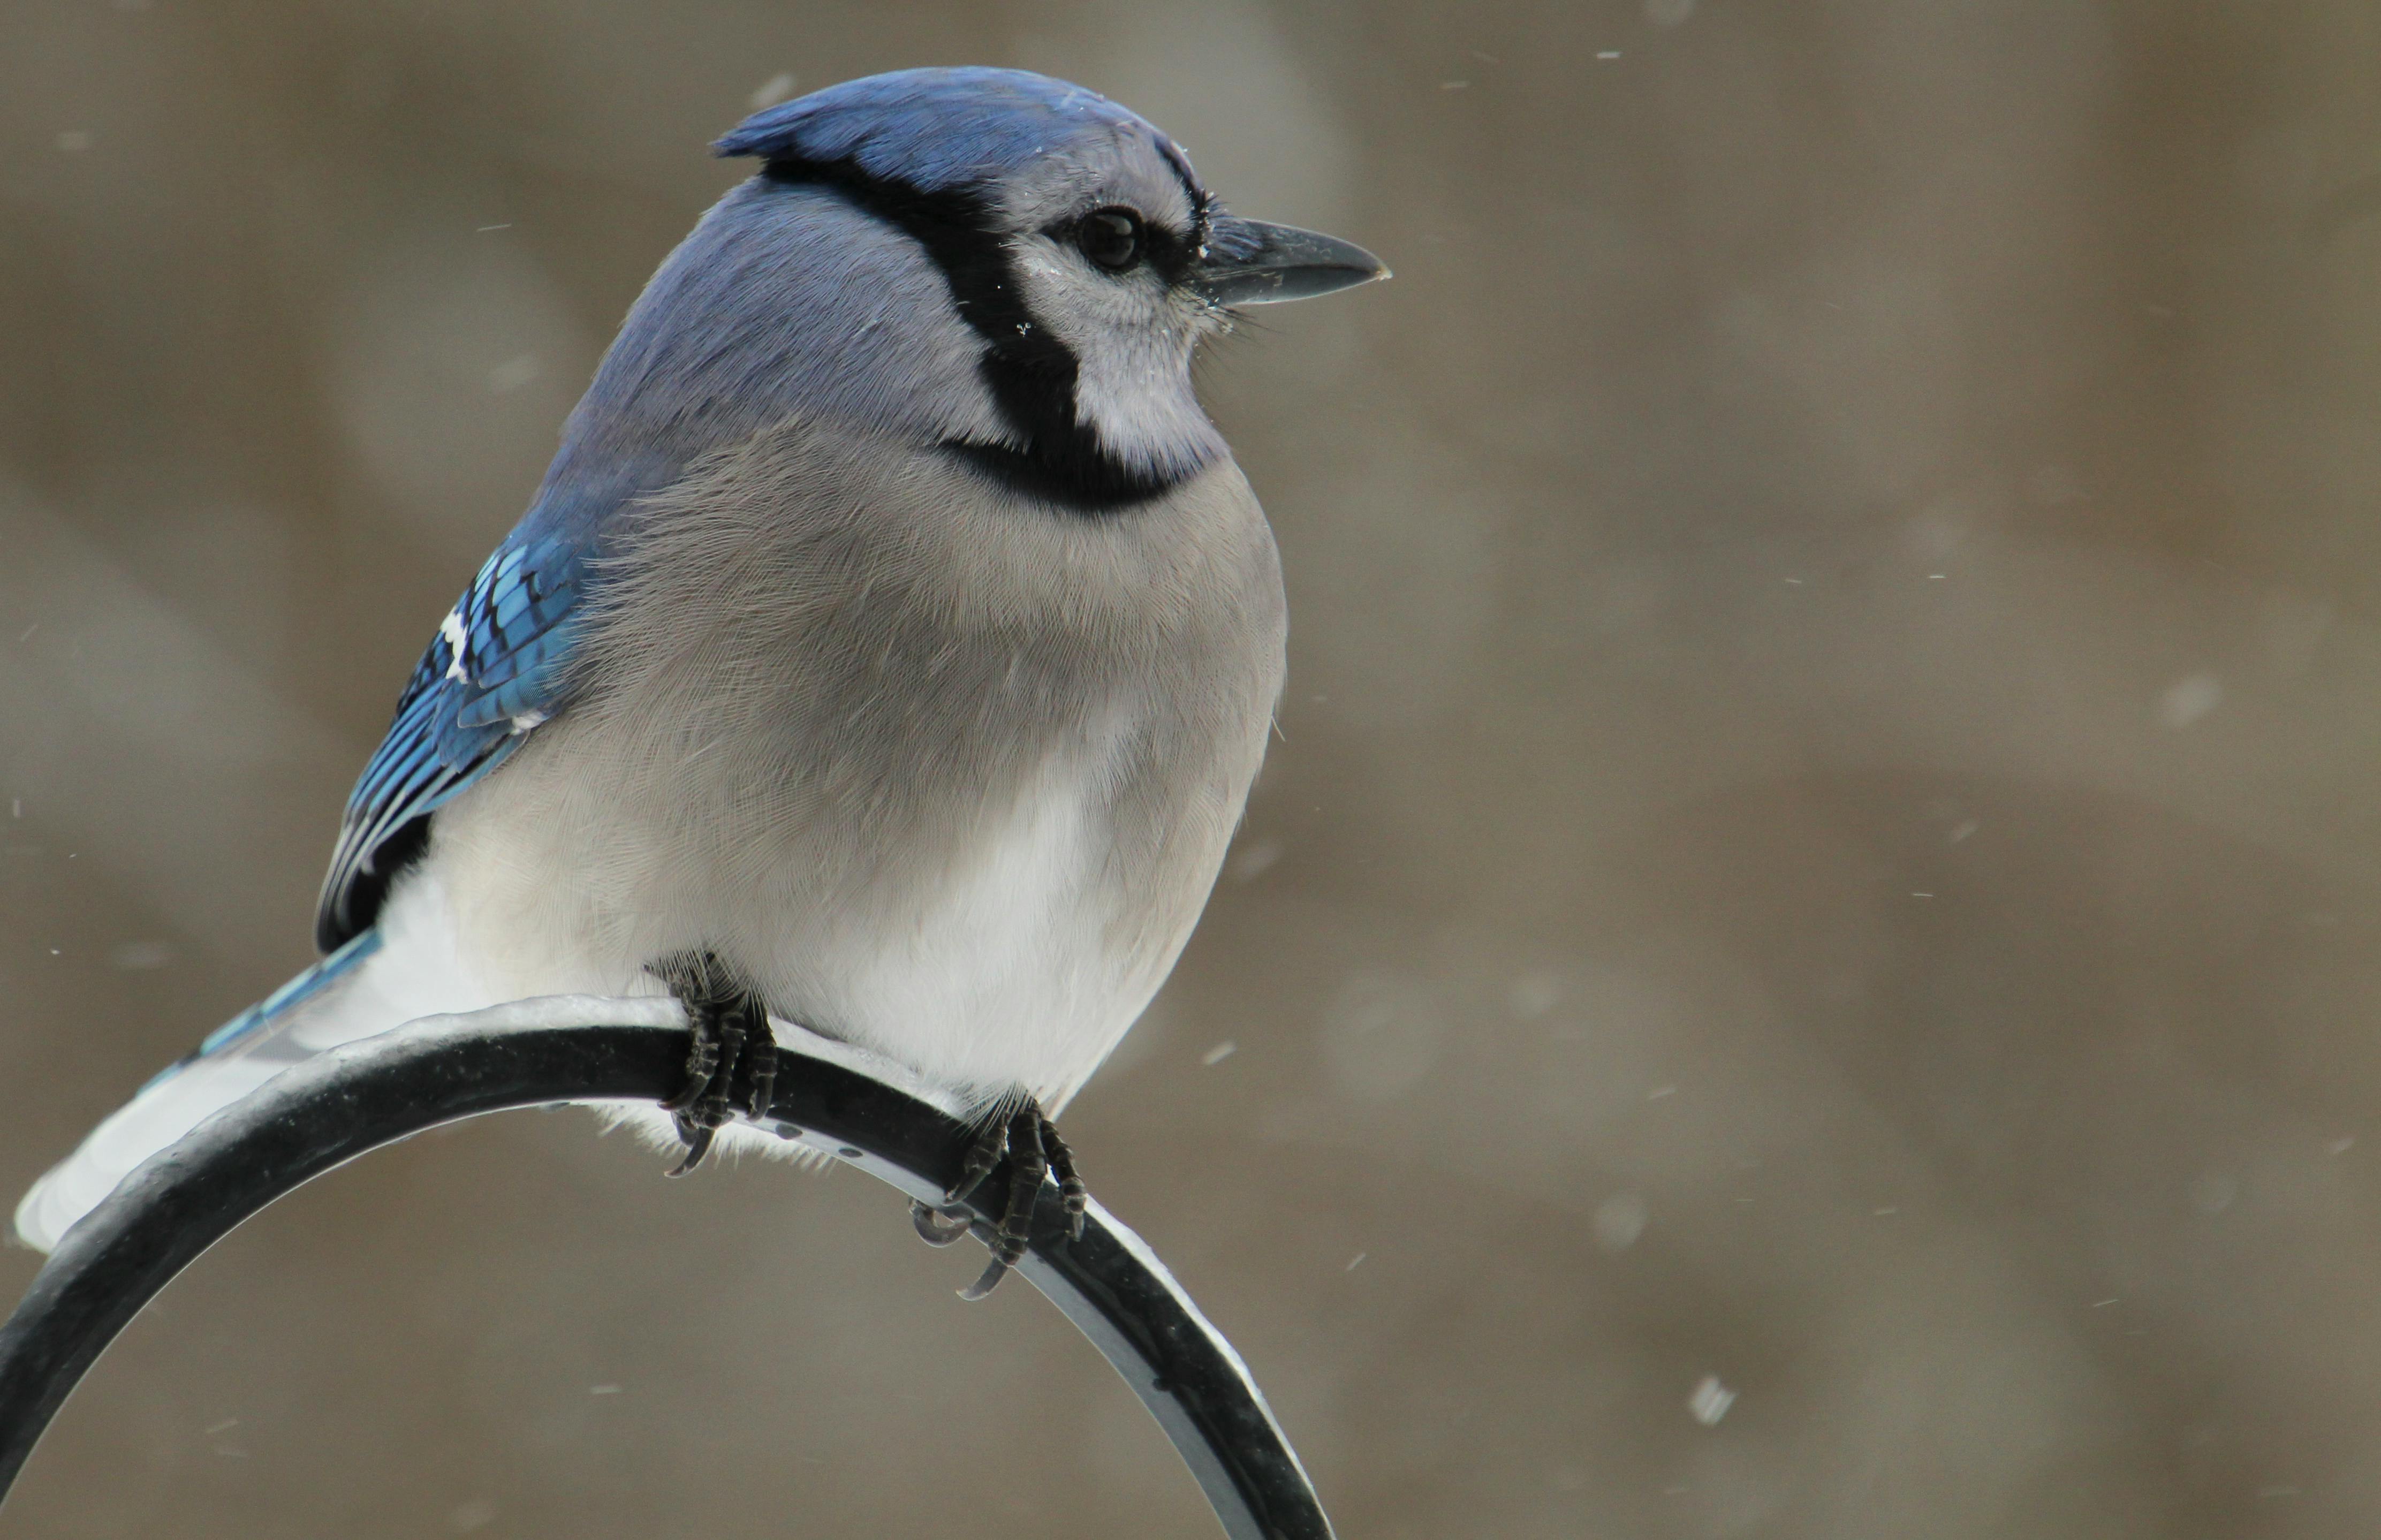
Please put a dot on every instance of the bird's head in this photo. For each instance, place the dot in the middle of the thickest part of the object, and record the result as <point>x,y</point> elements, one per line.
<point>1016,264</point>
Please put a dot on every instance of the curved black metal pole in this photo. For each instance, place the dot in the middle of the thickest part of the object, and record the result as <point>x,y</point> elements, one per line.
<point>328,1110</point>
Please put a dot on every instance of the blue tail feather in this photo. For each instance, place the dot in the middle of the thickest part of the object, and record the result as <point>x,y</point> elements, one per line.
<point>303,987</point>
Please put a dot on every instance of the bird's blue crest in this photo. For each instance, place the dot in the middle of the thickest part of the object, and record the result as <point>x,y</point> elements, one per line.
<point>938,129</point>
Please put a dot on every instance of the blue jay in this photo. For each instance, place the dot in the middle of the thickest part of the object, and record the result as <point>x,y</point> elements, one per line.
<point>889,648</point>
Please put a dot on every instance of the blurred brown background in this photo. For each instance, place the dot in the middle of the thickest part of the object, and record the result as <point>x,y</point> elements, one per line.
<point>1825,833</point>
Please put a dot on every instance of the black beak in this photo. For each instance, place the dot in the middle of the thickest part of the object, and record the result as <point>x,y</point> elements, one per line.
<point>1247,261</point>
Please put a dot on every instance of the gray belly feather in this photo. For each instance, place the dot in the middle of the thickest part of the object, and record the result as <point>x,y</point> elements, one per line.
<point>943,773</point>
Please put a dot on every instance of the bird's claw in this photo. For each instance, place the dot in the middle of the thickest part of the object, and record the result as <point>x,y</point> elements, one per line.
<point>939,1227</point>
<point>1030,1143</point>
<point>732,1065</point>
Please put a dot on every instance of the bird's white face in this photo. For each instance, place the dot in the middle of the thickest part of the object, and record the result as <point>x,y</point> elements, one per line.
<point>1102,245</point>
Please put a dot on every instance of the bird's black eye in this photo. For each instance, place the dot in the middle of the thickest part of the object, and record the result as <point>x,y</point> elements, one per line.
<point>1113,239</point>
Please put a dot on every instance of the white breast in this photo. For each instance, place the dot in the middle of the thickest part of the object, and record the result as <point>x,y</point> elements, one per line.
<point>1005,971</point>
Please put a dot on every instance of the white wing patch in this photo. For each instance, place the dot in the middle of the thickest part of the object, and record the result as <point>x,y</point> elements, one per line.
<point>452,629</point>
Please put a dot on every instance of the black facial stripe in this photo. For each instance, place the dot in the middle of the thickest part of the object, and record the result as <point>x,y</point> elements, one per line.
<point>1032,374</point>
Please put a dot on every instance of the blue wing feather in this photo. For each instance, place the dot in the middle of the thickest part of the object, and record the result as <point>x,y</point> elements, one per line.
<point>497,668</point>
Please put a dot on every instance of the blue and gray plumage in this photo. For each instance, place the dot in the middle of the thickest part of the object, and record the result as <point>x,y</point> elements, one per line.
<point>893,627</point>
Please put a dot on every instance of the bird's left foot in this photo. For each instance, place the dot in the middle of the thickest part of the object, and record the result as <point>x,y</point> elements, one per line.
<point>1031,1142</point>
<point>733,1064</point>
